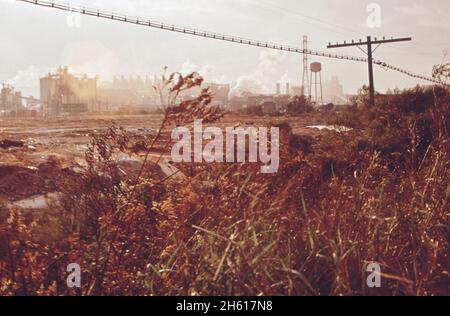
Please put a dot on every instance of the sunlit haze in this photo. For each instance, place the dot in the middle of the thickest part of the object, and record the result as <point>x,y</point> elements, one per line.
<point>35,40</point>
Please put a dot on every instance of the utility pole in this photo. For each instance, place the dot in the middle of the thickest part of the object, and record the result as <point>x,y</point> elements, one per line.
<point>370,62</point>
<point>369,53</point>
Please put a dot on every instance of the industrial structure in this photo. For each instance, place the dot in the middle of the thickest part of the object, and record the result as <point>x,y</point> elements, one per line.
<point>220,93</point>
<point>268,103</point>
<point>139,94</point>
<point>316,84</point>
<point>305,78</point>
<point>132,93</point>
<point>102,14</point>
<point>64,93</point>
<point>10,101</point>
<point>333,91</point>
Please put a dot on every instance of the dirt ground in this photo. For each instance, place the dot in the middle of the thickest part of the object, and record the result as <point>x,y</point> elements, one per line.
<point>35,153</point>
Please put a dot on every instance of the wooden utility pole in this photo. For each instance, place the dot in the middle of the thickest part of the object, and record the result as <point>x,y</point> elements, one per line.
<point>369,53</point>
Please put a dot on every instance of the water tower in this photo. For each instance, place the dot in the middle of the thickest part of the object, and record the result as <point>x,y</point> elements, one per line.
<point>315,88</point>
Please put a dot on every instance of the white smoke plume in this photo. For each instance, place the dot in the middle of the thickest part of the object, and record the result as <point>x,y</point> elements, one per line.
<point>27,80</point>
<point>261,80</point>
<point>91,58</point>
<point>208,72</point>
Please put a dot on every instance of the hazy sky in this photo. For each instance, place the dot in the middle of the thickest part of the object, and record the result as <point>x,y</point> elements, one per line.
<point>36,40</point>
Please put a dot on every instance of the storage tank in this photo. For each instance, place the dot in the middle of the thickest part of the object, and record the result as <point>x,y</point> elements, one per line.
<point>316,67</point>
<point>316,84</point>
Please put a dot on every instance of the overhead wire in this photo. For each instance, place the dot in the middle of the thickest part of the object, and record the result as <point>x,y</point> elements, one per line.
<point>212,35</point>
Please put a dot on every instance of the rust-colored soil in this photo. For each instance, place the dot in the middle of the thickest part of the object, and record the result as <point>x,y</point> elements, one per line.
<point>34,153</point>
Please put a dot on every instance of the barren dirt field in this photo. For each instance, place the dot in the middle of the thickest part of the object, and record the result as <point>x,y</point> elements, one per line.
<point>35,152</point>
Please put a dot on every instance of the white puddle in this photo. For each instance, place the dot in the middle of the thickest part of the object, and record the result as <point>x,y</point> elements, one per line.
<point>36,202</point>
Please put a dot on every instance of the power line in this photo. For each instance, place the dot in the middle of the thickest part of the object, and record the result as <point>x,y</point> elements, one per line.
<point>211,35</point>
<point>325,24</point>
<point>186,30</point>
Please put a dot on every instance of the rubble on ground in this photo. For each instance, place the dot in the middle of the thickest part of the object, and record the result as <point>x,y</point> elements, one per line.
<point>6,143</point>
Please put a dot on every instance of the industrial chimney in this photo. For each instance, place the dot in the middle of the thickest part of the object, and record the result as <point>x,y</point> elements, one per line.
<point>278,88</point>
<point>288,88</point>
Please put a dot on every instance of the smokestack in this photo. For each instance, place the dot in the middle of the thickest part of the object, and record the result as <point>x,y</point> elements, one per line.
<point>288,88</point>
<point>278,88</point>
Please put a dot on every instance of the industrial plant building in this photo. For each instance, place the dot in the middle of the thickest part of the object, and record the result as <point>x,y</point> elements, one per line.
<point>64,93</point>
<point>10,101</point>
<point>126,94</point>
<point>333,91</point>
<point>220,93</point>
<point>269,103</point>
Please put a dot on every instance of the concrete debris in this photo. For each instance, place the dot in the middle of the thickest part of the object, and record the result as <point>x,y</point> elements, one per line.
<point>339,129</point>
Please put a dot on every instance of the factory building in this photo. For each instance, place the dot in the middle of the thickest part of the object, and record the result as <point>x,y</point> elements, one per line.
<point>220,93</point>
<point>10,101</point>
<point>64,93</point>
<point>139,94</point>
<point>268,103</point>
<point>268,107</point>
<point>297,91</point>
<point>133,93</point>
<point>333,91</point>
